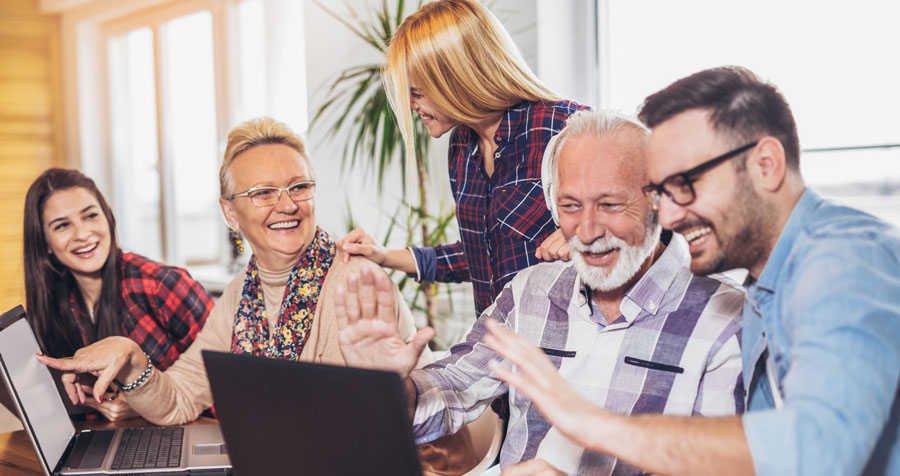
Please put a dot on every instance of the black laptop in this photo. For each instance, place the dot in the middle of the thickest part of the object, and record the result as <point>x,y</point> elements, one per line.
<point>194,449</point>
<point>281,417</point>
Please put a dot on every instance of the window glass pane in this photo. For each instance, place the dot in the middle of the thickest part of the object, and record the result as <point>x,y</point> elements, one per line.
<point>135,154</point>
<point>828,60</point>
<point>190,118</point>
<point>251,60</point>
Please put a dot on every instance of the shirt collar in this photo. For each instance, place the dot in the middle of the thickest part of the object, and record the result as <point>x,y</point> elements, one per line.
<point>648,293</point>
<point>512,121</point>
<point>801,213</point>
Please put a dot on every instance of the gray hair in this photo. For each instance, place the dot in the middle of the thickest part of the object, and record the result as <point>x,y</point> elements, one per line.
<point>597,123</point>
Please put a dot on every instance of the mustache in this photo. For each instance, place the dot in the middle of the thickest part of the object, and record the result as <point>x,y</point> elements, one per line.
<point>600,245</point>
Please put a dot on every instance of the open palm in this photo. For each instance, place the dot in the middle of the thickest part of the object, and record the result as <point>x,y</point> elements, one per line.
<point>369,336</point>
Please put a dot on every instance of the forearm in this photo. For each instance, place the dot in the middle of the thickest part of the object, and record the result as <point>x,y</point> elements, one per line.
<point>669,445</point>
<point>400,260</point>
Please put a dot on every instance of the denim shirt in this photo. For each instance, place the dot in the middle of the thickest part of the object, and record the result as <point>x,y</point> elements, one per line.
<point>824,317</point>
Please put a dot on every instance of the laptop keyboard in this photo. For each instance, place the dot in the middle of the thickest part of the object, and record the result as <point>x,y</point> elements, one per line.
<point>149,448</point>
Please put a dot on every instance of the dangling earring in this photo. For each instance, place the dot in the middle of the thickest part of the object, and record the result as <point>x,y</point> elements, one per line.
<point>237,242</point>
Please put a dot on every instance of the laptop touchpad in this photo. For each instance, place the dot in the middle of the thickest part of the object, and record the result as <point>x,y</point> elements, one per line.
<point>206,450</point>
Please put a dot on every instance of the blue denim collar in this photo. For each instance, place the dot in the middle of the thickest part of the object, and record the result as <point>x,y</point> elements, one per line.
<point>771,274</point>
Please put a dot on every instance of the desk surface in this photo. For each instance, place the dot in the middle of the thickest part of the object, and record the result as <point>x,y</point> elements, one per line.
<point>17,456</point>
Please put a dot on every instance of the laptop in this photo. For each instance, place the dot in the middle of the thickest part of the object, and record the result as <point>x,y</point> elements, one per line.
<point>283,417</point>
<point>194,449</point>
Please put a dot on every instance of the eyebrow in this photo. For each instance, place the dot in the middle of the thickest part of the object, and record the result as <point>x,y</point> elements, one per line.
<point>63,218</point>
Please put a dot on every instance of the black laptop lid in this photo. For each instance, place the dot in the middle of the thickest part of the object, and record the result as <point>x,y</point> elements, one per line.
<point>281,417</point>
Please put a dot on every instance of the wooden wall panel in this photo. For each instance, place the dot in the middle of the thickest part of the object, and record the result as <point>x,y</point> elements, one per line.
<point>30,125</point>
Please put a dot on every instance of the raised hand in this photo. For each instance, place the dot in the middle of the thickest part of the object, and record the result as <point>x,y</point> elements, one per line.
<point>553,248</point>
<point>106,359</point>
<point>532,467</point>
<point>539,380</point>
<point>367,317</point>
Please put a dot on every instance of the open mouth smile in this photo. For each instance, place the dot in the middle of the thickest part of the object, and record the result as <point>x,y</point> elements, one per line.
<point>284,225</point>
<point>86,249</point>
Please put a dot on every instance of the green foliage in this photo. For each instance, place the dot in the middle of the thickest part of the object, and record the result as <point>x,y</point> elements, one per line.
<point>358,105</point>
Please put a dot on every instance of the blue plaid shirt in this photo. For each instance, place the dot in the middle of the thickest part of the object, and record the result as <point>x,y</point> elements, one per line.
<point>502,218</point>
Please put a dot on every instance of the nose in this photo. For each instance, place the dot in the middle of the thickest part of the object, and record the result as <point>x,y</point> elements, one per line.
<point>590,226</point>
<point>670,213</point>
<point>285,204</point>
<point>82,231</point>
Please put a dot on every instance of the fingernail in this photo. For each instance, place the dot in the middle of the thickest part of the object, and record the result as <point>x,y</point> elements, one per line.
<point>100,398</point>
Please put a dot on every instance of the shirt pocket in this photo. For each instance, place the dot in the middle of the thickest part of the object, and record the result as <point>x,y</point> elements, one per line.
<point>521,212</point>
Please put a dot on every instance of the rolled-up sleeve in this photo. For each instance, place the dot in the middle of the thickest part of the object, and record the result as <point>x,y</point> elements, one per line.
<point>442,263</point>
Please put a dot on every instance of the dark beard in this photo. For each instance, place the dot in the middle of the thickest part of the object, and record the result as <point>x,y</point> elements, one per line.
<point>749,244</point>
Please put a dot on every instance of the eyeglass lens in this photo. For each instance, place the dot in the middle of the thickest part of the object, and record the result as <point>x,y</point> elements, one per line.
<point>269,196</point>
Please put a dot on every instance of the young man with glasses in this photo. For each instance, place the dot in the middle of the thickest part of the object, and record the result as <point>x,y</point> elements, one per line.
<point>821,336</point>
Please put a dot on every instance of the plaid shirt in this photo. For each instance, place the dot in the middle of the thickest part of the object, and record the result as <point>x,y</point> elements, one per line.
<point>675,350</point>
<point>502,218</point>
<point>163,308</point>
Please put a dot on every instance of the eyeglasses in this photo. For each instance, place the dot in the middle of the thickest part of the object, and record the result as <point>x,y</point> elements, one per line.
<point>268,196</point>
<point>680,187</point>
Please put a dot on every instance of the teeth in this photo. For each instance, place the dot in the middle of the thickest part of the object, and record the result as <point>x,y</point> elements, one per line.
<point>86,249</point>
<point>284,224</point>
<point>697,233</point>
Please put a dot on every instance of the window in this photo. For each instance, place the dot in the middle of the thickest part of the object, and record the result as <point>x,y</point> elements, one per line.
<point>833,69</point>
<point>173,79</point>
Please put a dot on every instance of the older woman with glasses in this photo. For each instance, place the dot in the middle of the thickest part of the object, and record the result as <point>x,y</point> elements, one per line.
<point>281,307</point>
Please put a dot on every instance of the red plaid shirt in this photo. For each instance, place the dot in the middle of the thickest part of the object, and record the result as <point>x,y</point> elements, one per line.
<point>502,218</point>
<point>163,308</point>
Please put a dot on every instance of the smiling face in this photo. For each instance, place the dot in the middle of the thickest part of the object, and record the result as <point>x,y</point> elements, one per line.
<point>77,231</point>
<point>435,121</point>
<point>602,211</point>
<point>725,223</point>
<point>280,233</point>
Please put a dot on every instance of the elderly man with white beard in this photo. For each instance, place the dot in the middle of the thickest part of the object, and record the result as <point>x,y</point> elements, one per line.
<point>626,322</point>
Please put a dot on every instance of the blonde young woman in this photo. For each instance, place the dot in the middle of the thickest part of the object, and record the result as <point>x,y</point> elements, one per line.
<point>454,65</point>
<point>281,307</point>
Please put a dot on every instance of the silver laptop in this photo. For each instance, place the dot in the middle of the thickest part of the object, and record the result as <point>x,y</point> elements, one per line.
<point>194,449</point>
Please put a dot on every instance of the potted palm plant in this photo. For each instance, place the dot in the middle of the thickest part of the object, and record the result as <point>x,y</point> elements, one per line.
<point>359,114</point>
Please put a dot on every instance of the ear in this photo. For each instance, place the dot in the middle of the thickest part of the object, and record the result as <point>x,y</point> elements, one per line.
<point>767,165</point>
<point>229,215</point>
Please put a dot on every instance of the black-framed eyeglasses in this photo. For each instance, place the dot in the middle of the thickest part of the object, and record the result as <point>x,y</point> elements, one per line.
<point>268,196</point>
<point>680,187</point>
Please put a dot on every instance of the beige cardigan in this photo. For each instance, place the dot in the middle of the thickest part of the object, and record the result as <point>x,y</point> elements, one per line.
<point>182,392</point>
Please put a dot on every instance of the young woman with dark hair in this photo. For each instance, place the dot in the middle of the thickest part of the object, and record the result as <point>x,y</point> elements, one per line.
<point>80,287</point>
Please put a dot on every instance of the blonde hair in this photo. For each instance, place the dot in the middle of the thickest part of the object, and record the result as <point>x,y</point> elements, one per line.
<point>252,133</point>
<point>465,62</point>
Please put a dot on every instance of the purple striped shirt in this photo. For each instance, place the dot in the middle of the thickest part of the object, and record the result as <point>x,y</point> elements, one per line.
<point>675,349</point>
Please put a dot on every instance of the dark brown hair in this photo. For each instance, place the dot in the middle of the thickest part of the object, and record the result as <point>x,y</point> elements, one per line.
<point>48,283</point>
<point>741,105</point>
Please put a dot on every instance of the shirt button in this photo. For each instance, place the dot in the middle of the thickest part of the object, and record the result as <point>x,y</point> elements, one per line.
<point>497,155</point>
<point>652,306</point>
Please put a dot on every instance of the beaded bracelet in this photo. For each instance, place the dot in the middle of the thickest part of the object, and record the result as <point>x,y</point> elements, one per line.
<point>145,375</point>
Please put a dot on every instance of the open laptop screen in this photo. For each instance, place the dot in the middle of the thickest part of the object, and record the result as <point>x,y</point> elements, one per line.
<point>35,391</point>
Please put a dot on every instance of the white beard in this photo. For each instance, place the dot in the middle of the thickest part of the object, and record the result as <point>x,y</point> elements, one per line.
<point>629,263</point>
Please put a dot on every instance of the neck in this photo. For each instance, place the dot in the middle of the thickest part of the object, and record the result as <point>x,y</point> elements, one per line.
<point>90,286</point>
<point>487,129</point>
<point>783,207</point>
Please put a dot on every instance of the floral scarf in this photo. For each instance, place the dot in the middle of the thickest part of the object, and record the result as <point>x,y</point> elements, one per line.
<point>251,333</point>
